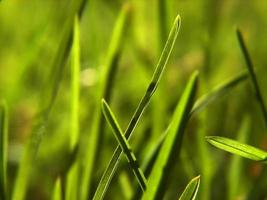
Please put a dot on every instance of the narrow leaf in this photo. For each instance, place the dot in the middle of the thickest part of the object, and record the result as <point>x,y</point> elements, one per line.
<point>57,190</point>
<point>237,148</point>
<point>113,163</point>
<point>252,74</point>
<point>3,149</point>
<point>125,146</point>
<point>191,189</point>
<point>172,144</point>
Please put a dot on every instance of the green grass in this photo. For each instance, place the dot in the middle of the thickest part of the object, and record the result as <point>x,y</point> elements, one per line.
<point>191,189</point>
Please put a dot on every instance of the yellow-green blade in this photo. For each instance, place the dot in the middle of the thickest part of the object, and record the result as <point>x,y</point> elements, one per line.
<point>57,190</point>
<point>191,189</point>
<point>172,144</point>
<point>237,148</point>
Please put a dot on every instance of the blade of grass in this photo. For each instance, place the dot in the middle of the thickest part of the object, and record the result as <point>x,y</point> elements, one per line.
<point>91,143</point>
<point>191,189</point>
<point>234,177</point>
<point>113,163</point>
<point>32,146</point>
<point>172,144</point>
<point>57,190</point>
<point>72,182</point>
<point>252,74</point>
<point>75,84</point>
<point>3,149</point>
<point>218,92</point>
<point>125,184</point>
<point>237,148</point>
<point>125,146</point>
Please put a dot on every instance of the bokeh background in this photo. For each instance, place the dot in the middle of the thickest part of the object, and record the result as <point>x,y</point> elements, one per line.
<point>30,34</point>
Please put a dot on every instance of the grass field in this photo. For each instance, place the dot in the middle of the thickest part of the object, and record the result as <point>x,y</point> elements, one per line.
<point>133,99</point>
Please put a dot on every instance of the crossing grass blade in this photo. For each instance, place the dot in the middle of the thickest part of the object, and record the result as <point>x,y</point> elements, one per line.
<point>91,146</point>
<point>252,74</point>
<point>172,144</point>
<point>237,148</point>
<point>125,146</point>
<point>57,190</point>
<point>47,98</point>
<point>218,92</point>
<point>191,189</point>
<point>3,149</point>
<point>113,163</point>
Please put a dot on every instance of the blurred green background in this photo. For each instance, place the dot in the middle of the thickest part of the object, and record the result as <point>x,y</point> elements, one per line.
<point>30,34</point>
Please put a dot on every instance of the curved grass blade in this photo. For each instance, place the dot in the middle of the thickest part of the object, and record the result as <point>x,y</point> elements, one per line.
<point>125,146</point>
<point>91,145</point>
<point>3,149</point>
<point>113,163</point>
<point>237,148</point>
<point>57,190</point>
<point>218,92</point>
<point>57,68</point>
<point>172,144</point>
<point>191,189</point>
<point>252,74</point>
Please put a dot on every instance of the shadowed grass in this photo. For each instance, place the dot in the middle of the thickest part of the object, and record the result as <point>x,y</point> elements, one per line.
<point>172,144</point>
<point>125,146</point>
<point>252,74</point>
<point>113,163</point>
<point>3,149</point>
<point>90,148</point>
<point>191,189</point>
<point>237,148</point>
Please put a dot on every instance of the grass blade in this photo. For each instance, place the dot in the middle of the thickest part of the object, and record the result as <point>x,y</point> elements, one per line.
<point>125,146</point>
<point>32,146</point>
<point>191,189</point>
<point>218,92</point>
<point>57,190</point>
<point>172,143</point>
<point>252,74</point>
<point>237,148</point>
<point>91,145</point>
<point>113,163</point>
<point>3,149</point>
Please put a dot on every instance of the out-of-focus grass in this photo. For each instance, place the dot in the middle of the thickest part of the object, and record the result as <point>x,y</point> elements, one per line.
<point>43,89</point>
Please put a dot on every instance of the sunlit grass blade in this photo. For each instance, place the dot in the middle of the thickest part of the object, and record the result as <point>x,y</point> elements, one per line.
<point>252,74</point>
<point>3,149</point>
<point>172,144</point>
<point>75,84</point>
<point>113,163</point>
<point>237,148</point>
<point>126,185</point>
<point>125,146</point>
<point>57,190</point>
<point>47,98</point>
<point>191,189</point>
<point>72,182</point>
<point>218,92</point>
<point>91,145</point>
<point>235,175</point>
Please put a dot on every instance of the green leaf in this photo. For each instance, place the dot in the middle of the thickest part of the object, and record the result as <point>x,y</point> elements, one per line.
<point>191,189</point>
<point>125,146</point>
<point>91,144</point>
<point>113,163</point>
<point>237,148</point>
<point>57,190</point>
<point>172,144</point>
<point>218,91</point>
<point>252,74</point>
<point>48,97</point>
<point>3,149</point>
